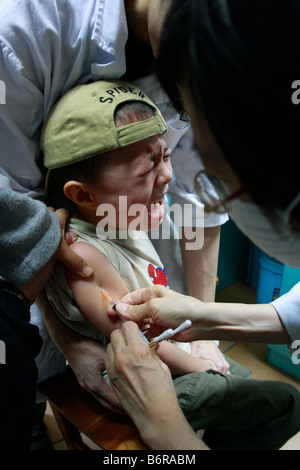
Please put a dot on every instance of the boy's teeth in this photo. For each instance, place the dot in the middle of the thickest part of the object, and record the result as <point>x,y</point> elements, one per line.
<point>157,203</point>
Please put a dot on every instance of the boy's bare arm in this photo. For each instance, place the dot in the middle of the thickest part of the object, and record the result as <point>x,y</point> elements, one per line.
<point>179,361</point>
<point>88,292</point>
<point>201,264</point>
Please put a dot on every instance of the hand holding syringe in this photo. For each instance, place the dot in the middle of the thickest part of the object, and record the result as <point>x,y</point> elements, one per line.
<point>165,335</point>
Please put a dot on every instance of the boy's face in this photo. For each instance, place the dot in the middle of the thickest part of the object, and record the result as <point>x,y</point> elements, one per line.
<point>140,173</point>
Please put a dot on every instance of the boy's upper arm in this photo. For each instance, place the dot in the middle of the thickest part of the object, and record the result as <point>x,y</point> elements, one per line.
<point>87,292</point>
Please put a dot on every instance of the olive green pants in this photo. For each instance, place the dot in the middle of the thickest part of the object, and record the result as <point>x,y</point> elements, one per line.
<point>238,412</point>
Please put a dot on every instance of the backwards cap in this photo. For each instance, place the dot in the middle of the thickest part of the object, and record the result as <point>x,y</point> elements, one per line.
<point>81,124</point>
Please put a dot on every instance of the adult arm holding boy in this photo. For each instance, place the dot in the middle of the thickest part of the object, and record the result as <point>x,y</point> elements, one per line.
<point>28,258</point>
<point>27,262</point>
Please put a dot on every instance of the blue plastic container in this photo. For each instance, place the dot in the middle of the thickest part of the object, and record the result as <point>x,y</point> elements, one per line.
<point>269,279</point>
<point>279,356</point>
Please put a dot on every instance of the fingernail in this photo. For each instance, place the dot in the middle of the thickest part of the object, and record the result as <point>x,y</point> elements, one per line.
<point>73,234</point>
<point>86,271</point>
<point>71,237</point>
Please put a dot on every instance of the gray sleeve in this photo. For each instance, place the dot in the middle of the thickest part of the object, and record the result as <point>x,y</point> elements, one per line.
<point>29,235</point>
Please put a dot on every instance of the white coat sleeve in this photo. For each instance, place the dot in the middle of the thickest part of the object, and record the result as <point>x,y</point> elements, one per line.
<point>288,309</point>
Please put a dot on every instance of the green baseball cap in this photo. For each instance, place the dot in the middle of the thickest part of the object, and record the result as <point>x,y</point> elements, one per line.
<point>81,124</point>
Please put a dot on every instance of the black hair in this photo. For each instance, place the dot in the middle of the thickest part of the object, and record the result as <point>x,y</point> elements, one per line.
<point>239,59</point>
<point>89,170</point>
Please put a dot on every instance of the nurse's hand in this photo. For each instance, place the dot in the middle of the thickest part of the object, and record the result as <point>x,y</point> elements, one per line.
<point>161,308</point>
<point>144,386</point>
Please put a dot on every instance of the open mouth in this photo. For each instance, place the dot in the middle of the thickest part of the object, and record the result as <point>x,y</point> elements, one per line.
<point>157,210</point>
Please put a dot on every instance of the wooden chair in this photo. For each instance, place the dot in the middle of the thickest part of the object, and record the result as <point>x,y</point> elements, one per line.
<point>76,411</point>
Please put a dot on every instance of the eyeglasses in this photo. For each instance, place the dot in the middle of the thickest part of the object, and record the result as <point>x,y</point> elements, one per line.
<point>213,193</point>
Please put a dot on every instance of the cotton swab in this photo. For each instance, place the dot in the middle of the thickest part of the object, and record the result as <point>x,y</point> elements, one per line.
<point>186,324</point>
<point>165,335</point>
<point>169,333</point>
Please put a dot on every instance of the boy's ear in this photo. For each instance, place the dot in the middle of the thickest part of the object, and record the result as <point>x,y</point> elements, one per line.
<point>79,193</point>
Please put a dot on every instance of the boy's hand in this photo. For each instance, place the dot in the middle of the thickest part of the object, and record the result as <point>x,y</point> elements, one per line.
<point>208,350</point>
